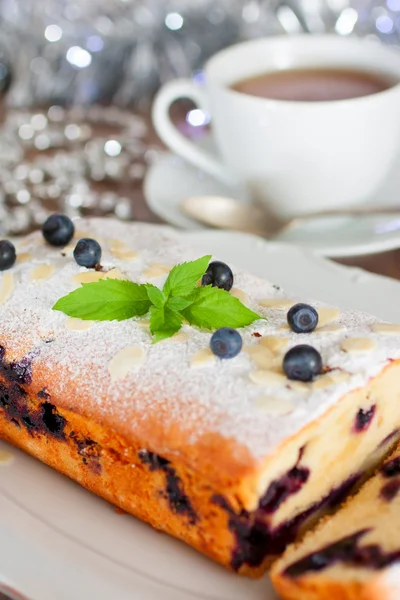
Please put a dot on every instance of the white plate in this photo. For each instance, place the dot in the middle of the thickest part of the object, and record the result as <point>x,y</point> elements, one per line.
<point>170,180</point>
<point>58,541</point>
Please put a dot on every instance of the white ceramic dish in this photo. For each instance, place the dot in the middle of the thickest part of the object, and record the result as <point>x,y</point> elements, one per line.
<point>58,541</point>
<point>170,180</point>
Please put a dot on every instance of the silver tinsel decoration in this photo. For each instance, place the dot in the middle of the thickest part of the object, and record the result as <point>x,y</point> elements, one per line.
<point>114,51</point>
<point>69,161</point>
<point>120,51</point>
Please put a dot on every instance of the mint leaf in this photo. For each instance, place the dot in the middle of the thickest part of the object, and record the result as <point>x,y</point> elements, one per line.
<point>155,295</point>
<point>164,323</point>
<point>183,278</point>
<point>106,300</point>
<point>212,308</point>
<point>177,303</point>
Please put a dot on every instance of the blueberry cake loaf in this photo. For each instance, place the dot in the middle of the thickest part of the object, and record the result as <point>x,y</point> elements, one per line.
<point>353,555</point>
<point>230,440</point>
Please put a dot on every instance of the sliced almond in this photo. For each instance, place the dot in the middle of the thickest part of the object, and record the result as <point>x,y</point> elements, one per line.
<point>42,272</point>
<point>240,294</point>
<point>327,315</point>
<point>124,361</point>
<point>274,343</point>
<point>68,250</point>
<point>358,345</point>
<point>333,328</point>
<point>178,337</point>
<point>277,303</point>
<point>116,243</point>
<point>268,378</point>
<point>258,349</point>
<point>299,386</point>
<point>87,277</point>
<point>327,381</point>
<point>339,377</point>
<point>156,270</point>
<point>5,457</point>
<point>114,274</point>
<point>24,257</point>
<point>322,383</point>
<point>81,233</point>
<point>202,357</point>
<point>143,324</point>
<point>274,406</point>
<point>123,253</point>
<point>78,324</point>
<point>6,287</point>
<point>386,328</point>
<point>261,356</point>
<point>277,362</point>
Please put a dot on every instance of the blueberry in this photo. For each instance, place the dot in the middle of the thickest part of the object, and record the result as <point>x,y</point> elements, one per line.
<point>87,252</point>
<point>219,275</point>
<point>7,255</point>
<point>58,230</point>
<point>226,342</point>
<point>302,318</point>
<point>302,363</point>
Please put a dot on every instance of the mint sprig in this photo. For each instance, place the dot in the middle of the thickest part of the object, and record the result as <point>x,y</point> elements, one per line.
<point>180,300</point>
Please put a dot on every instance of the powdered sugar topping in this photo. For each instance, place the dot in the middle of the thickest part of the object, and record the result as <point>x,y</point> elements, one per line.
<point>216,397</point>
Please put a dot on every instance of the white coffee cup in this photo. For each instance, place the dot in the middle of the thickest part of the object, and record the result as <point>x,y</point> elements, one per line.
<point>295,157</point>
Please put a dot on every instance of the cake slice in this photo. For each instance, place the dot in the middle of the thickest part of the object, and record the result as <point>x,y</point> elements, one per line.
<point>353,555</point>
<point>230,456</point>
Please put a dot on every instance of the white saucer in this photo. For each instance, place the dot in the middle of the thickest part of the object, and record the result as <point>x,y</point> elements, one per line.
<point>170,180</point>
<point>58,541</point>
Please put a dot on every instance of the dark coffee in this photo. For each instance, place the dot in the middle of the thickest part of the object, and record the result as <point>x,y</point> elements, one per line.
<point>315,85</point>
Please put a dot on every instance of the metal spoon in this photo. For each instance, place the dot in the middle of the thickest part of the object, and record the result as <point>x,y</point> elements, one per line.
<point>226,213</point>
<point>222,212</point>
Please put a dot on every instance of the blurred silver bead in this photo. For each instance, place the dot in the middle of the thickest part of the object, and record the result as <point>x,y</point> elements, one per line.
<point>137,171</point>
<point>39,213</point>
<point>11,187</point>
<point>123,209</point>
<point>39,122</point>
<point>74,200</point>
<point>56,113</point>
<point>53,191</point>
<point>42,141</point>
<point>19,219</point>
<point>36,175</point>
<point>23,196</point>
<point>26,132</point>
<point>108,201</point>
<point>72,132</point>
<point>90,199</point>
<point>97,174</point>
<point>21,172</point>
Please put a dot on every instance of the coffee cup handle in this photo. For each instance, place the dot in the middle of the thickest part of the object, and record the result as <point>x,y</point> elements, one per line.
<point>174,139</point>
